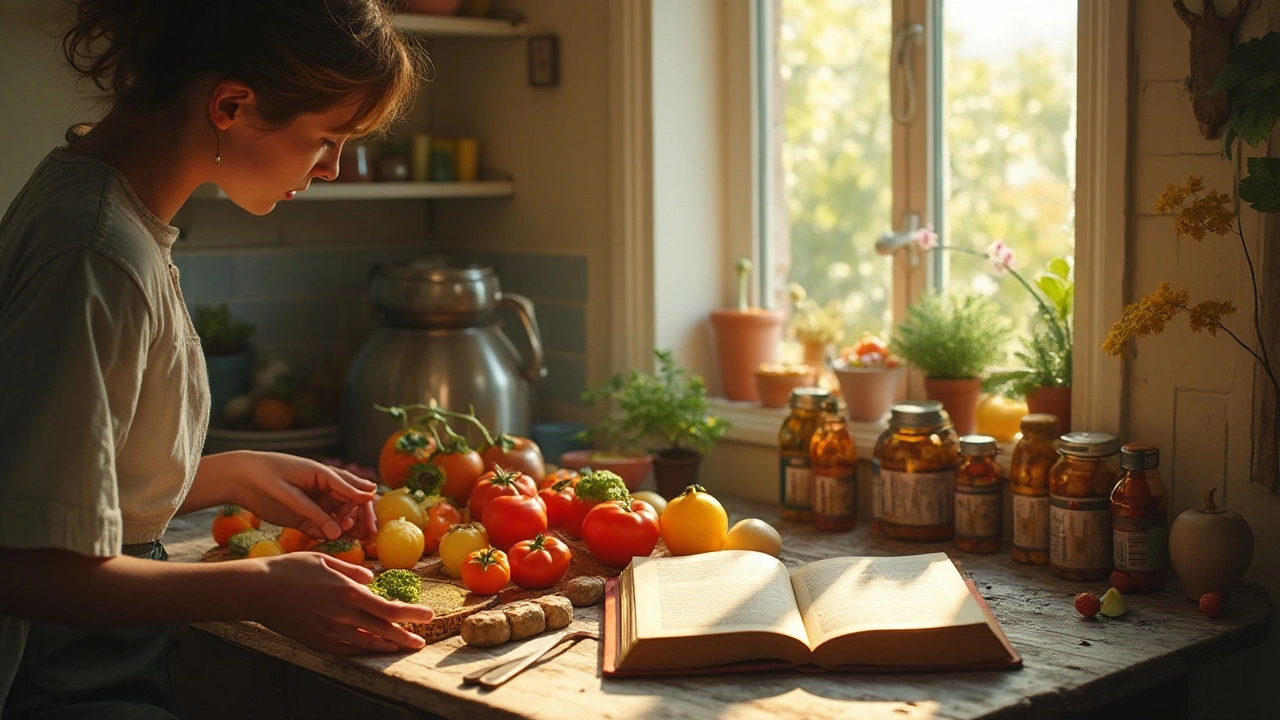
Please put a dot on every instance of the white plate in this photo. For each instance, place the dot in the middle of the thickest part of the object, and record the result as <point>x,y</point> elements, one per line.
<point>222,440</point>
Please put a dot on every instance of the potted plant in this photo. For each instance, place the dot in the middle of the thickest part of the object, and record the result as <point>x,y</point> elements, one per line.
<point>952,337</point>
<point>665,412</point>
<point>869,378</point>
<point>746,338</point>
<point>227,353</point>
<point>816,327</point>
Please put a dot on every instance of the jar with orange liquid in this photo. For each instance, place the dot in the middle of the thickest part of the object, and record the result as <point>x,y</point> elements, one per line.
<point>833,459</point>
<point>915,468</point>
<point>979,500</point>
<point>1080,485</point>
<point>795,478</point>
<point>1139,520</point>
<point>1033,457</point>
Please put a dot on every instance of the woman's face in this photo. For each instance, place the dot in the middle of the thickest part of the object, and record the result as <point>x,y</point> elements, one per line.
<point>260,167</point>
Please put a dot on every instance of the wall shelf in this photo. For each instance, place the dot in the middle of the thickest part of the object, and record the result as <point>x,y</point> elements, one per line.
<point>452,26</point>
<point>387,191</point>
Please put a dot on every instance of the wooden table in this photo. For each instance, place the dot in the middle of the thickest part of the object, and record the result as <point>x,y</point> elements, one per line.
<point>1071,664</point>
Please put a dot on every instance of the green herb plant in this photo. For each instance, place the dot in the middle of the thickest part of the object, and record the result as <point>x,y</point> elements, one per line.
<point>951,335</point>
<point>221,334</point>
<point>667,408</point>
<point>1047,359</point>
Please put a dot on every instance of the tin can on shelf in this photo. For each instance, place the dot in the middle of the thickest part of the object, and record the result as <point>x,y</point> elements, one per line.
<point>1139,520</point>
<point>1080,485</point>
<point>978,497</point>
<point>833,459</point>
<point>915,466</point>
<point>1033,457</point>
<point>795,478</point>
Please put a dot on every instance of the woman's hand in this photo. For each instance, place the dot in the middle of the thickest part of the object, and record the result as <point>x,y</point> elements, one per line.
<point>322,602</point>
<point>321,501</point>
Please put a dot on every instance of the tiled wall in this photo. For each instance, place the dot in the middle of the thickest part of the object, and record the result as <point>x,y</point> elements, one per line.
<point>312,306</point>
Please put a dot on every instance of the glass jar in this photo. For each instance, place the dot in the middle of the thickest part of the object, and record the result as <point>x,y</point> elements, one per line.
<point>915,468</point>
<point>1139,520</point>
<point>1080,485</point>
<point>833,459</point>
<point>1029,467</point>
<point>979,502</point>
<point>795,481</point>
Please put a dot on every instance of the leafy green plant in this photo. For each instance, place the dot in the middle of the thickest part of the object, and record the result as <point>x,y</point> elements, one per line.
<point>951,335</point>
<point>1047,361</point>
<point>1252,80</point>
<point>220,334</point>
<point>668,408</point>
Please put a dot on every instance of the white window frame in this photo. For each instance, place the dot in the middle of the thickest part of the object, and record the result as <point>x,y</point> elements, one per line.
<point>1102,196</point>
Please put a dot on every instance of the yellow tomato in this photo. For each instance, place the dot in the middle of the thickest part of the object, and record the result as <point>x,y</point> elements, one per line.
<point>754,534</point>
<point>658,502</point>
<point>398,504</point>
<point>400,544</point>
<point>460,542</point>
<point>1000,417</point>
<point>694,522</point>
<point>266,548</point>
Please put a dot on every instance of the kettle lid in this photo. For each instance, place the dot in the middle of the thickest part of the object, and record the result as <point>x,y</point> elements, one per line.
<point>433,269</point>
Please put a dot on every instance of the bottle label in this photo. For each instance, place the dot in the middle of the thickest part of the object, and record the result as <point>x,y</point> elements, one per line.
<point>1031,522</point>
<point>978,511</point>
<point>1080,532</point>
<point>877,491</point>
<point>797,482</point>
<point>1139,544</point>
<point>834,496</point>
<point>921,499</point>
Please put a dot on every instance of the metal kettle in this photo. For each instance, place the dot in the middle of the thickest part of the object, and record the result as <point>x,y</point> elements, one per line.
<point>440,340</point>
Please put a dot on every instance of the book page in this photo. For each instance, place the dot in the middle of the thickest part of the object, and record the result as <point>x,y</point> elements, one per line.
<point>845,595</point>
<point>714,593</point>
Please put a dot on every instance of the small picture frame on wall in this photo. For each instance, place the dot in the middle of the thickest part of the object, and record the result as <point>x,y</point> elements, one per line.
<point>544,60</point>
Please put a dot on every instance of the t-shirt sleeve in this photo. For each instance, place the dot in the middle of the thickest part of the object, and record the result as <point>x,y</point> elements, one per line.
<point>73,344</point>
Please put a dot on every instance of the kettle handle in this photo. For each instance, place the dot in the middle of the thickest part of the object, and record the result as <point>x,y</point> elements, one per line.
<point>533,370</point>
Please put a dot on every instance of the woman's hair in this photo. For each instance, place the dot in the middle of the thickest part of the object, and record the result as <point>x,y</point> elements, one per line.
<point>299,56</point>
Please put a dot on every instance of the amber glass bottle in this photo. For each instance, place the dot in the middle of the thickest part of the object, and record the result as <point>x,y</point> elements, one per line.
<point>979,502</point>
<point>833,458</point>
<point>795,481</point>
<point>915,472</point>
<point>1029,467</point>
<point>1139,520</point>
<point>1080,485</point>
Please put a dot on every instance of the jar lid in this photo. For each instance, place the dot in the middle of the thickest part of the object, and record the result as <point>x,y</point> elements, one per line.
<point>1040,423</point>
<point>916,414</point>
<point>1139,456</point>
<point>833,405</point>
<point>808,398</point>
<point>978,445</point>
<point>1089,444</point>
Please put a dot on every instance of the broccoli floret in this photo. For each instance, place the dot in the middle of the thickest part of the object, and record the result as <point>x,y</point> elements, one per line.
<point>602,485</point>
<point>399,585</point>
<point>242,541</point>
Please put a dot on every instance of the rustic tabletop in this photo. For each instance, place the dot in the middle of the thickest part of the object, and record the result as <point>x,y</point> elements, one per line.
<point>1070,663</point>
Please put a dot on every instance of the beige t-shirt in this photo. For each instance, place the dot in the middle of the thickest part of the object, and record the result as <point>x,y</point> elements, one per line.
<point>104,398</point>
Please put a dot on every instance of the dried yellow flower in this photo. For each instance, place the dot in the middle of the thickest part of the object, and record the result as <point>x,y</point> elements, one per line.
<point>1208,315</point>
<point>1212,213</point>
<point>1148,317</point>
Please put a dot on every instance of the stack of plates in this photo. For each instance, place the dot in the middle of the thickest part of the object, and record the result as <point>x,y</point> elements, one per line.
<point>323,441</point>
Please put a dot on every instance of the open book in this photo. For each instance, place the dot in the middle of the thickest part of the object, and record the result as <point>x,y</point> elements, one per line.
<point>740,610</point>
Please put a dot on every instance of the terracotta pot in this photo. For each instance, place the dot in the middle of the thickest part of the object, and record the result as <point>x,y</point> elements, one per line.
<point>869,392</point>
<point>744,342</point>
<point>633,470</point>
<point>775,383</point>
<point>1054,401</point>
<point>675,470</point>
<point>959,398</point>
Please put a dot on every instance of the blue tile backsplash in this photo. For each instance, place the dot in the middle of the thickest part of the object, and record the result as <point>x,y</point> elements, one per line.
<point>312,305</point>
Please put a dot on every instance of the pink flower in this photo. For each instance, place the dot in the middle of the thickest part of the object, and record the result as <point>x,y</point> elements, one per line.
<point>925,238</point>
<point>1001,257</point>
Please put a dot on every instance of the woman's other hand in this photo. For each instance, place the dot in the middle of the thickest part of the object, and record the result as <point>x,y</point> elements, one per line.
<point>290,491</point>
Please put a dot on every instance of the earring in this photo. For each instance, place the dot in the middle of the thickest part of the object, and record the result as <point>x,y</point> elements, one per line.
<point>217,140</point>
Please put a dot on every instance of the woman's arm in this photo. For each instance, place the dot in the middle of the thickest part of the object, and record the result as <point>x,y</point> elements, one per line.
<point>316,599</point>
<point>214,483</point>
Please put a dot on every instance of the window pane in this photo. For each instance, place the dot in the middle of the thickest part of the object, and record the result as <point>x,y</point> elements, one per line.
<point>1009,135</point>
<point>830,130</point>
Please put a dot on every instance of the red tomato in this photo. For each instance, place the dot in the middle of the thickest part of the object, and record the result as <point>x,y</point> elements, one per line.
<point>512,518</point>
<point>496,483</point>
<point>571,523</point>
<point>539,563</point>
<point>618,530</point>
<point>232,519</point>
<point>515,453</point>
<point>440,517</point>
<point>461,469</point>
<point>402,450</point>
<point>557,498</point>
<point>561,474</point>
<point>487,571</point>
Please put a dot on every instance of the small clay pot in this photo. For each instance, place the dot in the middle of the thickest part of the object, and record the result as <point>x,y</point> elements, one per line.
<point>959,397</point>
<point>745,340</point>
<point>774,383</point>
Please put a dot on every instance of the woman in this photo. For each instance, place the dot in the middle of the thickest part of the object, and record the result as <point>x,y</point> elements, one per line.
<point>104,402</point>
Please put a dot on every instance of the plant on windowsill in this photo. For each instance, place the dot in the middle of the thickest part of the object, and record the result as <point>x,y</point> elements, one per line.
<point>228,357</point>
<point>665,412</point>
<point>952,337</point>
<point>746,338</point>
<point>816,327</point>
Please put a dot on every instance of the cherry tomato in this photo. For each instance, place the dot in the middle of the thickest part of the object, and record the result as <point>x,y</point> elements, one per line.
<point>557,498</point>
<point>539,563</point>
<point>552,478</point>
<point>398,504</point>
<point>440,517</point>
<point>460,542</point>
<point>571,523</point>
<point>266,548</point>
<point>295,540</point>
<point>515,453</point>
<point>461,470</point>
<point>497,483</point>
<point>512,518</point>
<point>694,522</point>
<point>232,519</point>
<point>617,530</point>
<point>345,549</point>
<point>487,571</point>
<point>402,450</point>
<point>400,544</point>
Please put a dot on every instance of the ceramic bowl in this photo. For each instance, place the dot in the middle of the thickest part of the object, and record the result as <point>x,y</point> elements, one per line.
<point>774,383</point>
<point>632,470</point>
<point>868,392</point>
